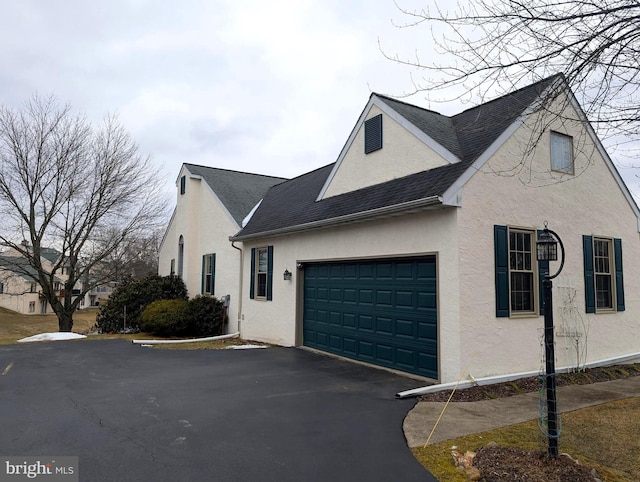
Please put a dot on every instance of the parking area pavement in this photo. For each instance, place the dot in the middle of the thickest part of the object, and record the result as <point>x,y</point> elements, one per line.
<point>141,414</point>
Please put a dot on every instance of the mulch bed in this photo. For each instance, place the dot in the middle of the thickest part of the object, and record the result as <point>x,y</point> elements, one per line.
<point>508,464</point>
<point>533,384</point>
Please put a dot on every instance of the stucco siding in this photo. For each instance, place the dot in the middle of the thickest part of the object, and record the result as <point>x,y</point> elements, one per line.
<point>16,294</point>
<point>358,170</point>
<point>516,188</point>
<point>430,232</point>
<point>205,226</point>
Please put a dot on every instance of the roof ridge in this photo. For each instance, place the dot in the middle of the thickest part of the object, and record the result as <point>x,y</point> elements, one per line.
<point>510,93</point>
<point>409,104</point>
<point>233,170</point>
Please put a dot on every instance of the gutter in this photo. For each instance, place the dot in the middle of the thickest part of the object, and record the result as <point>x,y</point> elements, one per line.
<point>239,315</point>
<point>415,392</point>
<point>347,218</point>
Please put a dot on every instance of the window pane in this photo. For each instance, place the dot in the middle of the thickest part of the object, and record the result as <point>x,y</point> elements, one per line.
<point>521,292</point>
<point>262,284</point>
<point>262,261</point>
<point>604,298</point>
<point>561,153</point>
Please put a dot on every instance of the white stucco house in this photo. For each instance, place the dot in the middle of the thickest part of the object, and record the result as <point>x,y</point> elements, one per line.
<point>415,250</point>
<point>211,205</point>
<point>18,289</point>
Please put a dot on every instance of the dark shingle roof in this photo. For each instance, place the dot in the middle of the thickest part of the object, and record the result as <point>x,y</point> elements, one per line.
<point>238,191</point>
<point>50,254</point>
<point>19,266</point>
<point>437,126</point>
<point>467,135</point>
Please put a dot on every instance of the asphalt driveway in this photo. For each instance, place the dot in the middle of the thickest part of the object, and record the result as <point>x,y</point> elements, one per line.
<point>136,414</point>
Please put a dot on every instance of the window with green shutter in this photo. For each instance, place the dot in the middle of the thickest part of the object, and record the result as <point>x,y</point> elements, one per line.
<point>518,274</point>
<point>208,274</point>
<point>261,287</point>
<point>603,274</point>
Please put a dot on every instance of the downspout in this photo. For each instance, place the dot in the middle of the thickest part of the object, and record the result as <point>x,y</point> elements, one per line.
<point>239,285</point>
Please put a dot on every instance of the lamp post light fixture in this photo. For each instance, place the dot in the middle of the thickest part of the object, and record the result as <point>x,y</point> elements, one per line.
<point>287,275</point>
<point>547,250</point>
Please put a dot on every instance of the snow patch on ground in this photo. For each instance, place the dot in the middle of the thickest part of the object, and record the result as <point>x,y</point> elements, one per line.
<point>52,337</point>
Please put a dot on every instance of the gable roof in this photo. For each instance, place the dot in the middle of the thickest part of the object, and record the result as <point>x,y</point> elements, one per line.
<point>20,266</point>
<point>298,204</point>
<point>50,254</point>
<point>238,191</point>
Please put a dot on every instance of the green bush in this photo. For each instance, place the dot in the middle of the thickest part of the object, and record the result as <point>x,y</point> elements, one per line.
<point>205,317</point>
<point>132,297</point>
<point>199,317</point>
<point>164,317</point>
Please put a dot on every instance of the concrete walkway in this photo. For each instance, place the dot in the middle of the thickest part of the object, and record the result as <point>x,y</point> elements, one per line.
<point>464,418</point>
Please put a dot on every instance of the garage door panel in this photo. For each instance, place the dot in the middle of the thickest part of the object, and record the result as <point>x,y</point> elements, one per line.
<point>384,352</point>
<point>384,326</point>
<point>427,331</point>
<point>366,350</point>
<point>384,298</point>
<point>350,347</point>
<point>350,321</point>
<point>382,312</point>
<point>405,328</point>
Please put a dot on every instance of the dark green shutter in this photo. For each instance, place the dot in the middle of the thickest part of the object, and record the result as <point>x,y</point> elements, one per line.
<point>617,252</point>
<point>253,274</point>
<point>543,270</point>
<point>269,273</point>
<point>373,134</point>
<point>213,273</point>
<point>501,247</point>
<point>589,279</point>
<point>204,274</point>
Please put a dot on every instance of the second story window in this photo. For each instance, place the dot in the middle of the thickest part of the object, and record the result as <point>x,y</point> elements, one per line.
<point>561,153</point>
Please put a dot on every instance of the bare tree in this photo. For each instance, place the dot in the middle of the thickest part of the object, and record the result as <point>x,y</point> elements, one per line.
<point>79,190</point>
<point>135,258</point>
<point>498,45</point>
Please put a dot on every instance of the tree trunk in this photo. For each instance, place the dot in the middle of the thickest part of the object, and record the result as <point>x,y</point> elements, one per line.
<point>65,321</point>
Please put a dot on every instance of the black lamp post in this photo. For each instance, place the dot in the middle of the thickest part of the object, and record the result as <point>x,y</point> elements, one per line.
<point>547,250</point>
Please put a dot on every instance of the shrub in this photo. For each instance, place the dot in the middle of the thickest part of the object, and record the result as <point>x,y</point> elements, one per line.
<point>205,317</point>
<point>134,296</point>
<point>164,317</point>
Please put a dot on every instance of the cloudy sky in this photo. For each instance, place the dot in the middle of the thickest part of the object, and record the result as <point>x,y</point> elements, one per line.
<point>272,87</point>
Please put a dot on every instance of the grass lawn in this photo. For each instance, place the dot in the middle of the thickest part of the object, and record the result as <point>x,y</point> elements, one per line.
<point>604,437</point>
<point>14,326</point>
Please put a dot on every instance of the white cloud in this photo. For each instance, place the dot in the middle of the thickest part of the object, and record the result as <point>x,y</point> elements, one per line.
<point>272,87</point>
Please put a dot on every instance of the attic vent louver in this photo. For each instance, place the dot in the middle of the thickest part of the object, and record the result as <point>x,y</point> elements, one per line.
<point>373,134</point>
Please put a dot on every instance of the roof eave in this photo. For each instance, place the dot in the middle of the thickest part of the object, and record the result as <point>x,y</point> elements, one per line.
<point>432,202</point>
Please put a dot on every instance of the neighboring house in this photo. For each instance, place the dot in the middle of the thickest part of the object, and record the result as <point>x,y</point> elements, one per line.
<point>97,295</point>
<point>18,290</point>
<point>211,205</point>
<point>415,250</point>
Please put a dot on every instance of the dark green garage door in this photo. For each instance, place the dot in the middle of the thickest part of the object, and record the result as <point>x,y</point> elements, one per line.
<point>378,311</point>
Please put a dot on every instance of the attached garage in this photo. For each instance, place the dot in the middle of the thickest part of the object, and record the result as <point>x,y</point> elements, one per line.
<point>381,311</point>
